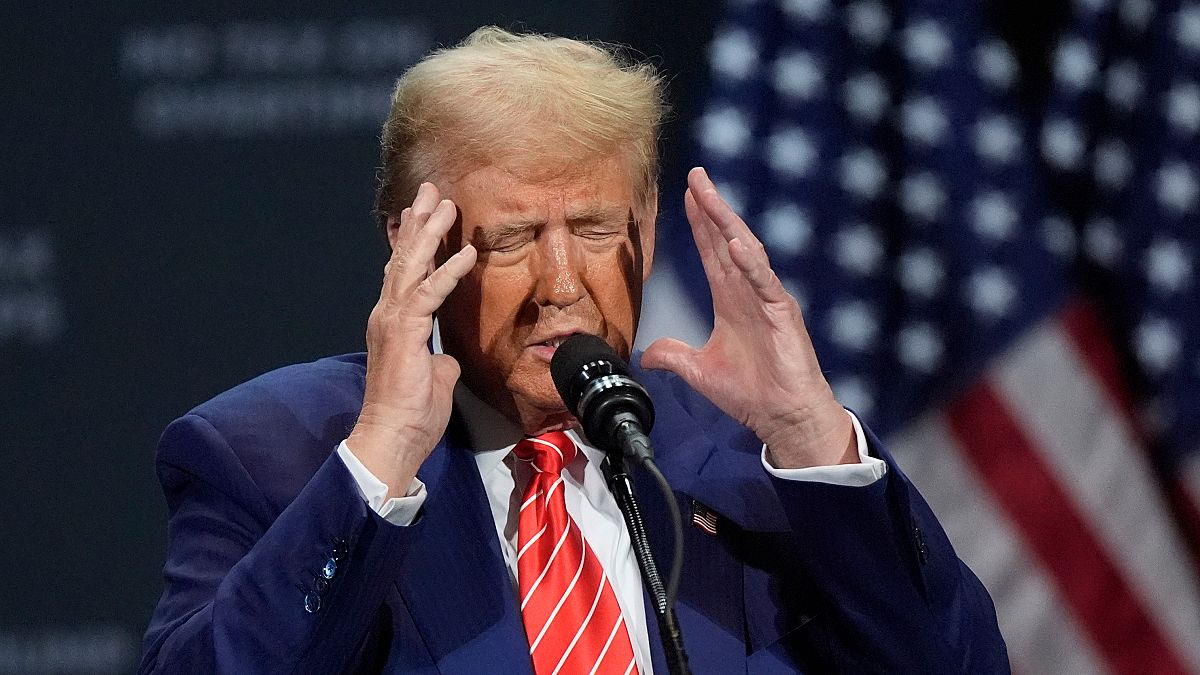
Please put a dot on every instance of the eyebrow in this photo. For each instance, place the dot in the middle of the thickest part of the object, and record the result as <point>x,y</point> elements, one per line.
<point>599,214</point>
<point>489,235</point>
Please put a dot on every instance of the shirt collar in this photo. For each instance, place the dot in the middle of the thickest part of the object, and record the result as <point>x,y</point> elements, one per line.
<point>492,435</point>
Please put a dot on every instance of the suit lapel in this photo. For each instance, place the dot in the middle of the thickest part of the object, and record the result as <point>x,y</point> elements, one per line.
<point>719,466</point>
<point>454,580</point>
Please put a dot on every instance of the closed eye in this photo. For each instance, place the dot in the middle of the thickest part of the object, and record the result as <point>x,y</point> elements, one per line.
<point>504,239</point>
<point>508,244</point>
<point>598,233</point>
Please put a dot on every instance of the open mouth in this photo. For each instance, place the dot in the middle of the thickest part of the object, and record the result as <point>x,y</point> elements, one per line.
<point>546,348</point>
<point>555,341</point>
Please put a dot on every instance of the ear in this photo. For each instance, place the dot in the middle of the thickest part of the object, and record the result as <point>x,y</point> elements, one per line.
<point>392,229</point>
<point>647,232</point>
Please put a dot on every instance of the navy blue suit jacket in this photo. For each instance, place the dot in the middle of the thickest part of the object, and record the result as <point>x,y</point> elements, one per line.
<point>800,577</point>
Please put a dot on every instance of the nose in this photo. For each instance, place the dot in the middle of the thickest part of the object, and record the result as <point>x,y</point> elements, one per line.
<point>558,272</point>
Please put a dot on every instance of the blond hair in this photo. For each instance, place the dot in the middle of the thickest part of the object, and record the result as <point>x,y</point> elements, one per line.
<point>503,97</point>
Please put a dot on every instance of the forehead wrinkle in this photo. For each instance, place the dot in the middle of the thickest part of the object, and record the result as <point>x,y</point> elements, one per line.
<point>521,219</point>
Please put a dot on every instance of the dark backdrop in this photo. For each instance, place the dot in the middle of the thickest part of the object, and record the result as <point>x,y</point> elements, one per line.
<point>184,203</point>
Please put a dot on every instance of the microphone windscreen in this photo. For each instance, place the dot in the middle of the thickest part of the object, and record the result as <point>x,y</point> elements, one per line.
<point>573,355</point>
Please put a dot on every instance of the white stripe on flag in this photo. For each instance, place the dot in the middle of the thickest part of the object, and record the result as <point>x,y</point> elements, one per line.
<point>1100,463</point>
<point>1041,636</point>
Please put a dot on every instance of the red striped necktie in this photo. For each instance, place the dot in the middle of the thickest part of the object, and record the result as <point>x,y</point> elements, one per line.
<point>571,615</point>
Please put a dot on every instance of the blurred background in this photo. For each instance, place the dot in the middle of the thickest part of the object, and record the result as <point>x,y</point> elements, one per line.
<point>988,211</point>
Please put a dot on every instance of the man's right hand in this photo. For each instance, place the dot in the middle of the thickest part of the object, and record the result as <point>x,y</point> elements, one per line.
<point>409,392</point>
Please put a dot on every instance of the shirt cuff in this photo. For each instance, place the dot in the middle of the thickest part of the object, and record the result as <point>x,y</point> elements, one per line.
<point>397,510</point>
<point>867,471</point>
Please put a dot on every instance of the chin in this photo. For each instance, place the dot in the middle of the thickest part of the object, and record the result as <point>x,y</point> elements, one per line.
<point>534,388</point>
<point>540,409</point>
<point>544,398</point>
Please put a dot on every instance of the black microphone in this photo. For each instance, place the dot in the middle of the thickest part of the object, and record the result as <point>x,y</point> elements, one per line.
<point>595,384</point>
<point>616,414</point>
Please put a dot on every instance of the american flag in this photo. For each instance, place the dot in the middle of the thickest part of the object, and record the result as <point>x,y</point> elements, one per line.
<point>1007,295</point>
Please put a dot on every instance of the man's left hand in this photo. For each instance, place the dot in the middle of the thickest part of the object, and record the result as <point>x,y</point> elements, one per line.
<point>758,365</point>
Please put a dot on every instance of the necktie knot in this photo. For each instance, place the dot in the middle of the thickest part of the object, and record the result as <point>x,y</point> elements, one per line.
<point>548,453</point>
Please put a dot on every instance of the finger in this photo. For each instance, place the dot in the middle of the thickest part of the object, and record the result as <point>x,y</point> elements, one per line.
<point>404,233</point>
<point>720,246</point>
<point>434,290</point>
<point>729,223</point>
<point>414,261</point>
<point>426,201</point>
<point>414,217</point>
<point>675,356</point>
<point>702,234</point>
<point>393,268</point>
<point>755,266</point>
<point>699,183</point>
<point>425,241</point>
<point>397,222</point>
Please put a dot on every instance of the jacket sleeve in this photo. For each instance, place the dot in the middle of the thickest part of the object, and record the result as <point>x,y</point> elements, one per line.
<point>898,598</point>
<point>252,590</point>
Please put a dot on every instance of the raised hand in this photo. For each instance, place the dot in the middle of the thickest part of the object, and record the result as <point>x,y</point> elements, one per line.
<point>758,365</point>
<point>409,392</point>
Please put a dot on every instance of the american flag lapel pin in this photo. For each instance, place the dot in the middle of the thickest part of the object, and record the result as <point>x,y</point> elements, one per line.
<point>704,518</point>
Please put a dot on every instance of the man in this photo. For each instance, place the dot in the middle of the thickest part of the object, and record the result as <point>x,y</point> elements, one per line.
<point>436,510</point>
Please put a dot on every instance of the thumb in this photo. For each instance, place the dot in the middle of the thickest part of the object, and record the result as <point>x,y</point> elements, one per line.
<point>675,356</point>
<point>446,370</point>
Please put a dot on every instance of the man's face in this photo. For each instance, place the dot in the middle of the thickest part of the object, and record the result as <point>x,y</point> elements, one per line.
<point>558,254</point>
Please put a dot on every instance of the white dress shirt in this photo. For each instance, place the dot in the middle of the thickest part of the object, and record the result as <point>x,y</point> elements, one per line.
<point>588,500</point>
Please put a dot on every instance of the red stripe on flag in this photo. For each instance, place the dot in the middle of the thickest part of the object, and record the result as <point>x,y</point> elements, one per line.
<point>1026,489</point>
<point>1091,342</point>
<point>1083,327</point>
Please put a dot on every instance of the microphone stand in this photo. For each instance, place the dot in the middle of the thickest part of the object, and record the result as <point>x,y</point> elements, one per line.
<point>636,445</point>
